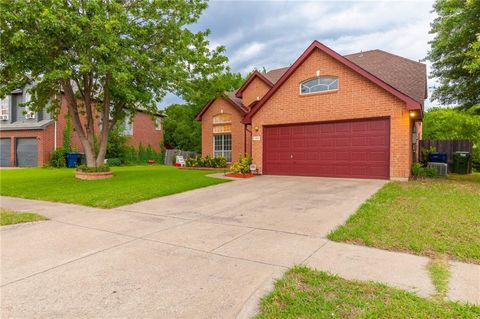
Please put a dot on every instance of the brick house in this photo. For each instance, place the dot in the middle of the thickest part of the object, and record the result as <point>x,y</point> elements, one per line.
<point>358,115</point>
<point>27,138</point>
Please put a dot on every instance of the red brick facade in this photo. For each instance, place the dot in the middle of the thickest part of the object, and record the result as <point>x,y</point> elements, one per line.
<point>256,89</point>
<point>222,106</point>
<point>356,98</point>
<point>145,132</point>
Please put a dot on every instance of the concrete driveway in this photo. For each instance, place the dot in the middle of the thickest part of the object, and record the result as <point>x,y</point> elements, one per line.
<point>207,253</point>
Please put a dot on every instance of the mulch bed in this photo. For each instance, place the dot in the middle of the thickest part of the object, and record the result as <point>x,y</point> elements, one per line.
<point>202,168</point>
<point>237,175</point>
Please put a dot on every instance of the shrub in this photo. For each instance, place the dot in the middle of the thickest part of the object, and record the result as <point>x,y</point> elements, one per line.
<point>242,166</point>
<point>419,171</point>
<point>114,162</point>
<point>117,144</point>
<point>207,161</point>
<point>57,158</point>
<point>98,169</point>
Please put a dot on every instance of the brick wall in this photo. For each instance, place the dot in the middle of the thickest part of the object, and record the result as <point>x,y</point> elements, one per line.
<point>256,88</point>
<point>144,132</point>
<point>357,97</point>
<point>238,137</point>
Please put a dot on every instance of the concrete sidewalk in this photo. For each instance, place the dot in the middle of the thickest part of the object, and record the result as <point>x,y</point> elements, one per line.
<point>182,260</point>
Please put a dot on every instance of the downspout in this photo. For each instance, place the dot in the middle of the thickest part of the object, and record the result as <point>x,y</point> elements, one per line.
<point>244,139</point>
<point>55,136</point>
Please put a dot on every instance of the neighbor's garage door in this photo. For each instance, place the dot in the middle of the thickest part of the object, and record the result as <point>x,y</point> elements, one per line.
<point>357,149</point>
<point>5,152</point>
<point>27,152</point>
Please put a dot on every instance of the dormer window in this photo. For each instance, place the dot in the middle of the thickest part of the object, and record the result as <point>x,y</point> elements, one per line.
<point>319,84</point>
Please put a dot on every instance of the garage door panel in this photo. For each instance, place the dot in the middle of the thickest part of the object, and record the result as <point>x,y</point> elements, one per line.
<point>5,152</point>
<point>27,152</point>
<point>343,149</point>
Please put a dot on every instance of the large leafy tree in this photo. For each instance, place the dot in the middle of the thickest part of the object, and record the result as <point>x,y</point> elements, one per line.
<point>107,57</point>
<point>182,131</point>
<point>451,124</point>
<point>455,52</point>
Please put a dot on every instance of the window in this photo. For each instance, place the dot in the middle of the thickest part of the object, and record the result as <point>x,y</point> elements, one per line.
<point>158,123</point>
<point>222,123</point>
<point>222,118</point>
<point>29,114</point>
<point>319,84</point>
<point>222,146</point>
<point>127,127</point>
<point>4,112</point>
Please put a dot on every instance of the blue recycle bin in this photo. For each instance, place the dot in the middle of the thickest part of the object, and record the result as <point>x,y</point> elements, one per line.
<point>72,159</point>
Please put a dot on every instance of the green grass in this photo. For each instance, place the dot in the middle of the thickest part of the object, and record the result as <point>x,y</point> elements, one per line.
<point>438,216</point>
<point>440,274</point>
<point>9,217</point>
<point>305,293</point>
<point>129,184</point>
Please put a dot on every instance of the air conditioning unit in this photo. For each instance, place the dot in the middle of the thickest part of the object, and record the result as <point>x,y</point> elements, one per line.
<point>4,117</point>
<point>30,115</point>
<point>442,168</point>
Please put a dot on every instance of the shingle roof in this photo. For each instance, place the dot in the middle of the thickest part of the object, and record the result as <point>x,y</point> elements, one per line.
<point>275,74</point>
<point>407,76</point>
<point>237,101</point>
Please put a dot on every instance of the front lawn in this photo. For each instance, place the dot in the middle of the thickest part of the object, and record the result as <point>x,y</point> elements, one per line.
<point>305,293</point>
<point>9,217</point>
<point>432,217</point>
<point>129,185</point>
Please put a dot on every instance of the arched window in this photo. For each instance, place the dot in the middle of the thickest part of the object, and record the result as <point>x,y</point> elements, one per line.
<point>222,118</point>
<point>319,84</point>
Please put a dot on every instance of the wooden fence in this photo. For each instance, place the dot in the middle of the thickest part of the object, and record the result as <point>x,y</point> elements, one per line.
<point>170,155</point>
<point>449,147</point>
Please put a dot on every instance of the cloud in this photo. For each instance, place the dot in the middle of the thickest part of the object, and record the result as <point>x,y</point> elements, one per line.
<point>273,34</point>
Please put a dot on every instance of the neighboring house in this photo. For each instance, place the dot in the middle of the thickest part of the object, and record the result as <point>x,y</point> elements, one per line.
<point>358,115</point>
<point>27,138</point>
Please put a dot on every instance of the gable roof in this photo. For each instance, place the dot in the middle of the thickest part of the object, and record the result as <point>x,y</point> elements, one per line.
<point>410,102</point>
<point>407,76</point>
<point>230,98</point>
<point>275,74</point>
<point>252,76</point>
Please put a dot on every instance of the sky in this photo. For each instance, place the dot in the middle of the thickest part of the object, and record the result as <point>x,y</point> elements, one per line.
<point>274,33</point>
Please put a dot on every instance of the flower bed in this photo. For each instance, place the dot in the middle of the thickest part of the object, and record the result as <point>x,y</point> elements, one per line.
<point>240,175</point>
<point>201,168</point>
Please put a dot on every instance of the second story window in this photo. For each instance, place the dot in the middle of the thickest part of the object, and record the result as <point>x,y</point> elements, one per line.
<point>158,123</point>
<point>319,84</point>
<point>4,109</point>
<point>29,114</point>
<point>127,127</point>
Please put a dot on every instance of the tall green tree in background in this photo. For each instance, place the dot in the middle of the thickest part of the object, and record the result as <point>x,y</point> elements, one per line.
<point>108,58</point>
<point>453,124</point>
<point>455,52</point>
<point>181,129</point>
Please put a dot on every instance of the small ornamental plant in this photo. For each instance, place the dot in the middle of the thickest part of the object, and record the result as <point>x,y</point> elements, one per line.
<point>242,166</point>
<point>207,161</point>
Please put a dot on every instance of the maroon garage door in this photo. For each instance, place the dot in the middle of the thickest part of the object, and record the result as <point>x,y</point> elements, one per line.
<point>357,149</point>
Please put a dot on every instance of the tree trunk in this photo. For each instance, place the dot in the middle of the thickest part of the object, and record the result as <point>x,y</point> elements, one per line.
<point>72,105</point>
<point>105,122</point>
